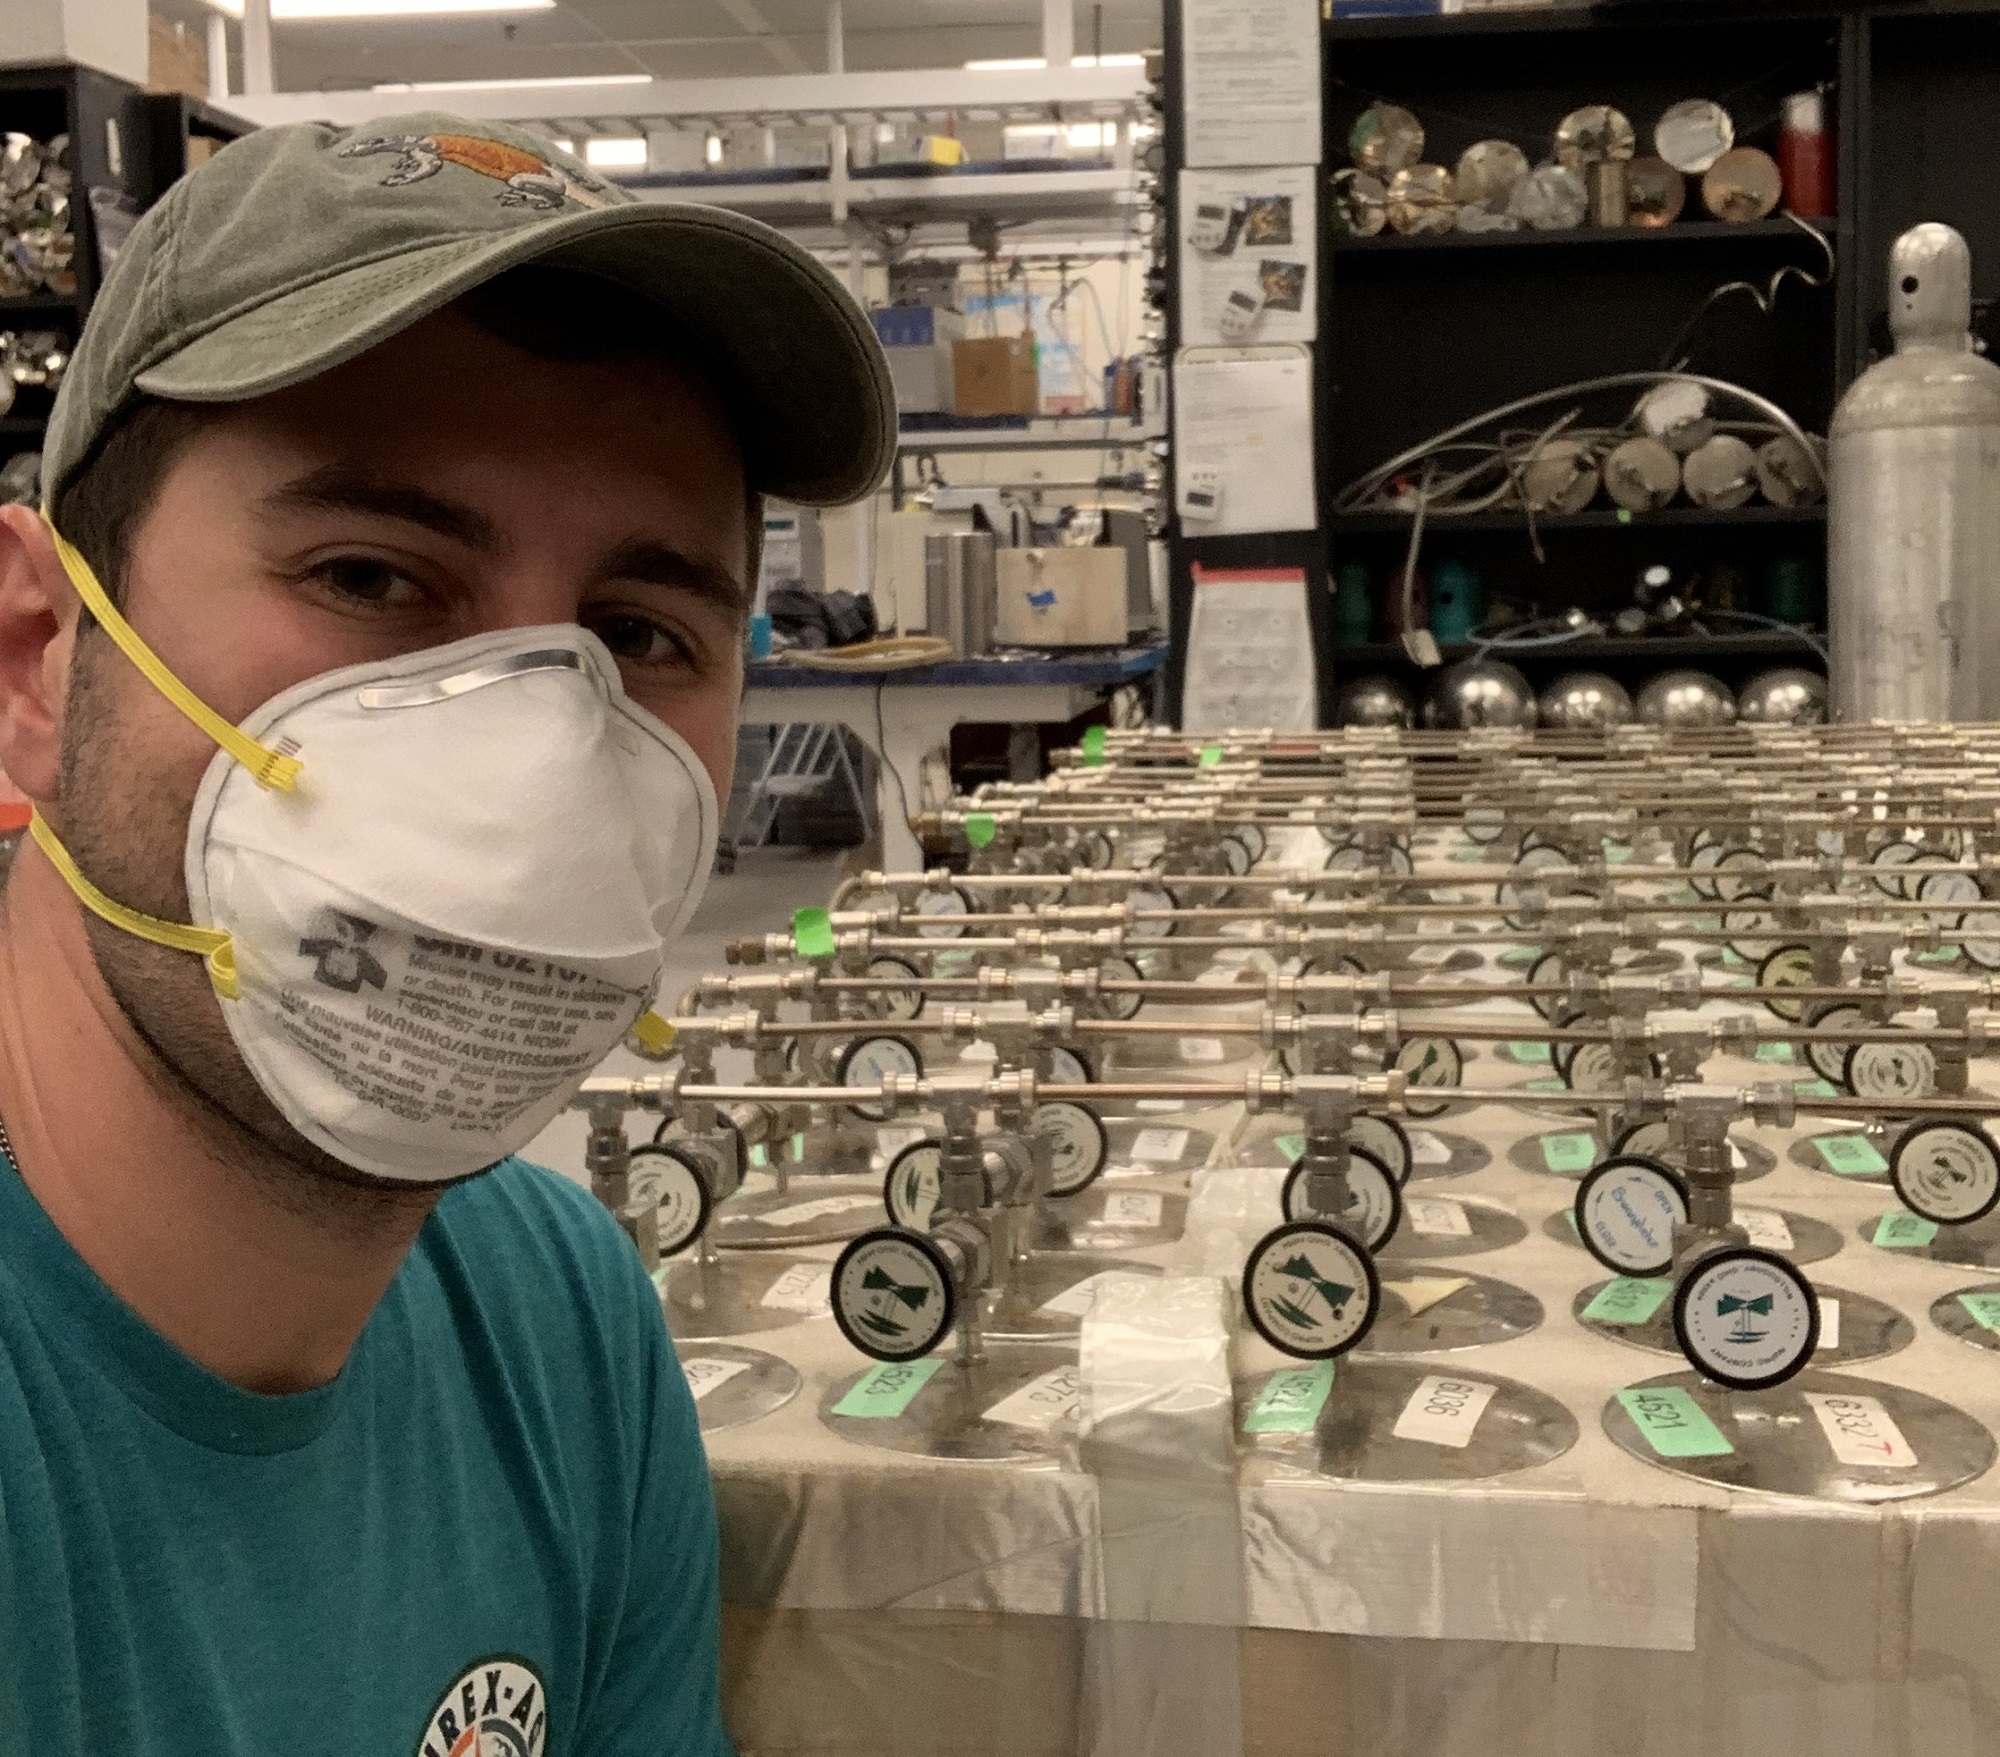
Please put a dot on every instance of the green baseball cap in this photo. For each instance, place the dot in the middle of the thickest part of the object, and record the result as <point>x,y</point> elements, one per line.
<point>297,248</point>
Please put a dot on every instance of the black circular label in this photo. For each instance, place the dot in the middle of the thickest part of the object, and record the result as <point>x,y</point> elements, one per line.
<point>1310,1290</point>
<point>1746,1318</point>
<point>1946,1171</point>
<point>892,1295</point>
<point>1626,1212</point>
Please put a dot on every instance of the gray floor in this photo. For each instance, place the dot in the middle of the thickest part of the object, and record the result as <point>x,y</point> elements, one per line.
<point>757,898</point>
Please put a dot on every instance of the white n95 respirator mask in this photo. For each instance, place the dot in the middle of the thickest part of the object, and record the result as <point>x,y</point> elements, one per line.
<point>433,891</point>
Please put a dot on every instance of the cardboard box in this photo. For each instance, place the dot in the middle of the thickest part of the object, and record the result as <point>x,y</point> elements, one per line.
<point>995,375</point>
<point>1071,597</point>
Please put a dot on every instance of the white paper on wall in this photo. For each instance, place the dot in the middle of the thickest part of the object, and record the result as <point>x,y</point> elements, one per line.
<point>1250,81</point>
<point>1247,255</point>
<point>1250,652</point>
<point>1243,440</point>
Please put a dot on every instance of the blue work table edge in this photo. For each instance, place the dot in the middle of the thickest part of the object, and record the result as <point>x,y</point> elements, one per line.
<point>1120,665</point>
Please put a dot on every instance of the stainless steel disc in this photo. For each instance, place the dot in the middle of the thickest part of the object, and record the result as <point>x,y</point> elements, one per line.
<point>1110,1217</point>
<point>1371,1420</point>
<point>733,1385</point>
<point>1430,1310</point>
<point>736,1295</point>
<point>1813,1436</point>
<point>813,1210</point>
<point>1640,1314</point>
<point>1784,1230</point>
<point>1048,1294</point>
<point>1437,1227</point>
<point>1017,1405</point>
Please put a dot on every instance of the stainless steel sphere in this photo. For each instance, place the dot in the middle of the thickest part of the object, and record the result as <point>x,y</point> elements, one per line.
<point>1479,692</point>
<point>1585,701</point>
<point>1686,698</point>
<point>1374,701</point>
<point>1786,696</point>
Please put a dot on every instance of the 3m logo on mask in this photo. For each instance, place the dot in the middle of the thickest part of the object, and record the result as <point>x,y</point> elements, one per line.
<point>343,960</point>
<point>448,1037</point>
<point>494,1708</point>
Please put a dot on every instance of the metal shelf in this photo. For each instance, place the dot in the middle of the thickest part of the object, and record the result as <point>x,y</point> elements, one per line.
<point>1051,433</point>
<point>1668,649</point>
<point>1596,519</point>
<point>1105,196</point>
<point>1653,237</point>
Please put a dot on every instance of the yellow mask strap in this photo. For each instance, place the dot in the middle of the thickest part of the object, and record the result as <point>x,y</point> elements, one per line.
<point>210,943</point>
<point>269,768</point>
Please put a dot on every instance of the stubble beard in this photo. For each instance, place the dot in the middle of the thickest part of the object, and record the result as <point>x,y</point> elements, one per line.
<point>128,832</point>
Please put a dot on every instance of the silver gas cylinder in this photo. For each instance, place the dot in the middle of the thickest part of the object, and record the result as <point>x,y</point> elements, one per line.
<point>1913,506</point>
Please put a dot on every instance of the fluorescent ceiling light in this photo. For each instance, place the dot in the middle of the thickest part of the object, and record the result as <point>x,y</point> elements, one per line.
<point>1035,63</point>
<point>615,152</point>
<point>291,11</point>
<point>467,85</point>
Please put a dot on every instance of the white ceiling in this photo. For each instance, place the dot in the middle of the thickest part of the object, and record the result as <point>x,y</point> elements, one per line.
<point>675,39</point>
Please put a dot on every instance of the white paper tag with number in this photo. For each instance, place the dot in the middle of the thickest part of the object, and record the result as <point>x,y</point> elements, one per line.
<point>1861,1431</point>
<point>1768,1232</point>
<point>804,1213</point>
<point>1437,1217</point>
<point>804,1287</point>
<point>1428,1149</point>
<point>1040,1403</point>
<point>1201,1049</point>
<point>1133,1208</point>
<point>705,1372</point>
<point>1829,1324</point>
<point>1160,1146</point>
<point>1443,1411</point>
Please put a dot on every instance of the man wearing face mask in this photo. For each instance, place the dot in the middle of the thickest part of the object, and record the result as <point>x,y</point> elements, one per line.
<point>372,669</point>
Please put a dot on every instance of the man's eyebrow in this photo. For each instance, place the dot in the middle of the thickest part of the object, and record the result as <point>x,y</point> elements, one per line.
<point>348,488</point>
<point>649,563</point>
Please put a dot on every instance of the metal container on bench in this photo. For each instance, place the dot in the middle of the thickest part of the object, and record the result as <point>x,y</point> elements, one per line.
<point>959,573</point>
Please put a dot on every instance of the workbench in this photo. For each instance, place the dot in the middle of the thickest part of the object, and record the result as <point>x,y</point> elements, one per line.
<point>1197,1593</point>
<point>902,716</point>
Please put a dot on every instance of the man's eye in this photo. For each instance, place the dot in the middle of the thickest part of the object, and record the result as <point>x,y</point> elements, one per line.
<point>638,640</point>
<point>361,579</point>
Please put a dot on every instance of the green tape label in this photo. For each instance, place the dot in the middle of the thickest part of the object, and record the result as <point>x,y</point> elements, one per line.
<point>1774,1052</point>
<point>759,1154</point>
<point>1569,1214</point>
<point>1093,747</point>
<point>1900,1230</point>
<point>1730,955</point>
<point>1984,1307</point>
<point>1850,1155</point>
<point>799,1146</point>
<point>888,1389</point>
<point>812,933</point>
<point>1813,1088</point>
<point>978,828</point>
<point>1617,853</point>
<point>1291,1146</point>
<point>1576,1152</point>
<point>1528,1052</point>
<point>1674,1424</point>
<point>1629,1299</point>
<point>1291,1401</point>
<point>1211,755</point>
<point>1544,1085</point>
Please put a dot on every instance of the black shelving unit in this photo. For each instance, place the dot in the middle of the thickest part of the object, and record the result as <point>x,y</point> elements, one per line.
<point>121,139</point>
<point>1417,334</point>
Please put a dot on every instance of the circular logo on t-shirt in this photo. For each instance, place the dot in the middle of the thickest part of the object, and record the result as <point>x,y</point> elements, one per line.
<point>496,1707</point>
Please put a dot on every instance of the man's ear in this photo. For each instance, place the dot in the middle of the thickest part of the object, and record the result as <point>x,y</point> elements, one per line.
<point>38,618</point>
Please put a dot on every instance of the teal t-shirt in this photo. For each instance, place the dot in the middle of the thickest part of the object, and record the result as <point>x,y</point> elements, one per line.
<point>491,1536</point>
